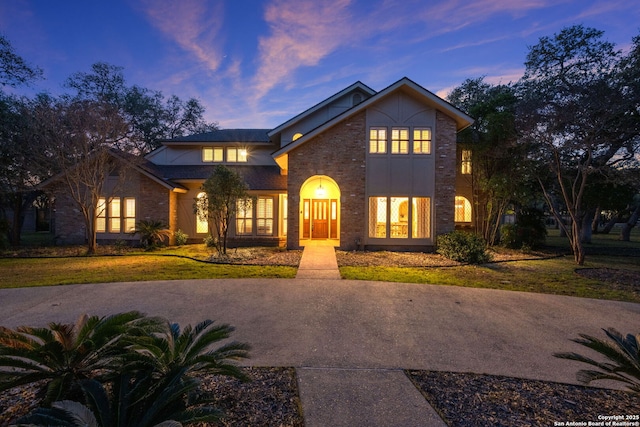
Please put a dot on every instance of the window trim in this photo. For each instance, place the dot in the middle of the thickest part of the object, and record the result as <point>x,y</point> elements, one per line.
<point>398,144</point>
<point>378,145</point>
<point>113,215</point>
<point>397,230</point>
<point>420,143</point>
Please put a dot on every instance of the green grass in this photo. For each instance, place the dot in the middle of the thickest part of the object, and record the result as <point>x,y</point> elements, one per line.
<point>556,275</point>
<point>28,272</point>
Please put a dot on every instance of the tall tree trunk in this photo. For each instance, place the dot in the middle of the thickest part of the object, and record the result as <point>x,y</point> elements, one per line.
<point>611,223</point>
<point>576,243</point>
<point>625,233</point>
<point>587,220</point>
<point>596,220</point>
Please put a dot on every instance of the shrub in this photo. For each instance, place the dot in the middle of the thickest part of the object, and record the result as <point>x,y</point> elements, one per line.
<point>210,241</point>
<point>463,247</point>
<point>152,233</point>
<point>623,354</point>
<point>181,238</point>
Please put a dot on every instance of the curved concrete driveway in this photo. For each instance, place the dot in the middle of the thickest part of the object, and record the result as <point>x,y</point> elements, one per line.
<point>354,324</point>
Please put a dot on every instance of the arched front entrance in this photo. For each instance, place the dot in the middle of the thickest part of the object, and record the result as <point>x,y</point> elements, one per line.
<point>320,211</point>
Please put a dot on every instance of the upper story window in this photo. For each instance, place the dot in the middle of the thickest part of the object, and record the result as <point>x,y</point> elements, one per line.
<point>465,163</point>
<point>212,154</point>
<point>400,141</point>
<point>217,154</point>
<point>422,141</point>
<point>296,136</point>
<point>235,154</point>
<point>356,99</point>
<point>378,140</point>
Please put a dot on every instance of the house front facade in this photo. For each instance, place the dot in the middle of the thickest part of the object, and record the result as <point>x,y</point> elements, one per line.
<point>362,169</point>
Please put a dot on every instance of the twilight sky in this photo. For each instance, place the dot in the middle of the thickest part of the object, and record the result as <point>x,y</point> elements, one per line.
<point>257,63</point>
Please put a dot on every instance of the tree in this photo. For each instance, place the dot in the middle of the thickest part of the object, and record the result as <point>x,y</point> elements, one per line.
<point>574,117</point>
<point>14,70</point>
<point>225,193</point>
<point>498,178</point>
<point>79,136</point>
<point>17,175</point>
<point>149,116</point>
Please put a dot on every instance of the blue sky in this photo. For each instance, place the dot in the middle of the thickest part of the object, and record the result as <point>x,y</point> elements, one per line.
<point>257,63</point>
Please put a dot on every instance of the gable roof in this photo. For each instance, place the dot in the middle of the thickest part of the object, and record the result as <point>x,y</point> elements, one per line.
<point>223,135</point>
<point>462,119</point>
<point>357,85</point>
<point>256,177</point>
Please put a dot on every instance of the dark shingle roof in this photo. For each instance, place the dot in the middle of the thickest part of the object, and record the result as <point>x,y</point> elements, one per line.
<point>226,135</point>
<point>256,177</point>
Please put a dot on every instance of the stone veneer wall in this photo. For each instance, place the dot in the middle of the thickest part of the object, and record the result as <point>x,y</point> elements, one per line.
<point>340,154</point>
<point>445,180</point>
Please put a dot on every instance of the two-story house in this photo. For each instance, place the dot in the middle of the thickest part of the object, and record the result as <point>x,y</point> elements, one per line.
<point>361,169</point>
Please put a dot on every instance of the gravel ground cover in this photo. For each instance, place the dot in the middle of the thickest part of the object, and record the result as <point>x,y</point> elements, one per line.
<point>464,399</point>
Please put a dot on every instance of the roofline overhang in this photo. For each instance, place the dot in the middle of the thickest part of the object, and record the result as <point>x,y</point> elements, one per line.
<point>462,119</point>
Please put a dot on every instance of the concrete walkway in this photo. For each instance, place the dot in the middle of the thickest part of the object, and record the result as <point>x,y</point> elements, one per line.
<point>350,340</point>
<point>318,262</point>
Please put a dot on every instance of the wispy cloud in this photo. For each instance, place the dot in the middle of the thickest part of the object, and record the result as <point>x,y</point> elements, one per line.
<point>302,33</point>
<point>194,25</point>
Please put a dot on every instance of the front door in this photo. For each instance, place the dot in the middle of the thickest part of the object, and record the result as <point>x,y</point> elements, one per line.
<point>319,219</point>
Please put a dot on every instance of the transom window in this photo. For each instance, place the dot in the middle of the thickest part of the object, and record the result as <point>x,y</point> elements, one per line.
<point>400,141</point>
<point>378,140</point>
<point>116,216</point>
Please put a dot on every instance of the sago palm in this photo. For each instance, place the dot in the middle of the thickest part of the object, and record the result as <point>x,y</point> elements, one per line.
<point>152,233</point>
<point>64,354</point>
<point>195,349</point>
<point>622,354</point>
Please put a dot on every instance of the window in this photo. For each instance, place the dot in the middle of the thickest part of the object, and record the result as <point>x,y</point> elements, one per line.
<point>296,136</point>
<point>236,155</point>
<point>285,213</point>
<point>378,140</point>
<point>466,162</point>
<point>421,223</point>
<point>101,213</point>
<point>202,224</point>
<point>463,209</point>
<point>129,214</point>
<point>400,217</point>
<point>378,217</point>
<point>111,216</point>
<point>264,216</point>
<point>214,154</point>
<point>400,141</point>
<point>244,217</point>
<point>422,141</point>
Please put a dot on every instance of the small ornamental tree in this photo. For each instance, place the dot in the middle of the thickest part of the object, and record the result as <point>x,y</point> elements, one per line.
<point>225,192</point>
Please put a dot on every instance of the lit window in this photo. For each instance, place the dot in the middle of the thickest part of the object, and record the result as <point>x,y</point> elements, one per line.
<point>202,224</point>
<point>101,213</point>
<point>244,217</point>
<point>422,141</point>
<point>297,136</point>
<point>378,140</point>
<point>378,217</point>
<point>463,209</point>
<point>214,154</point>
<point>114,215</point>
<point>264,216</point>
<point>399,217</point>
<point>129,214</point>
<point>400,141</point>
<point>421,224</point>
<point>466,162</point>
<point>109,216</point>
<point>392,217</point>
<point>236,155</point>
<point>285,214</point>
